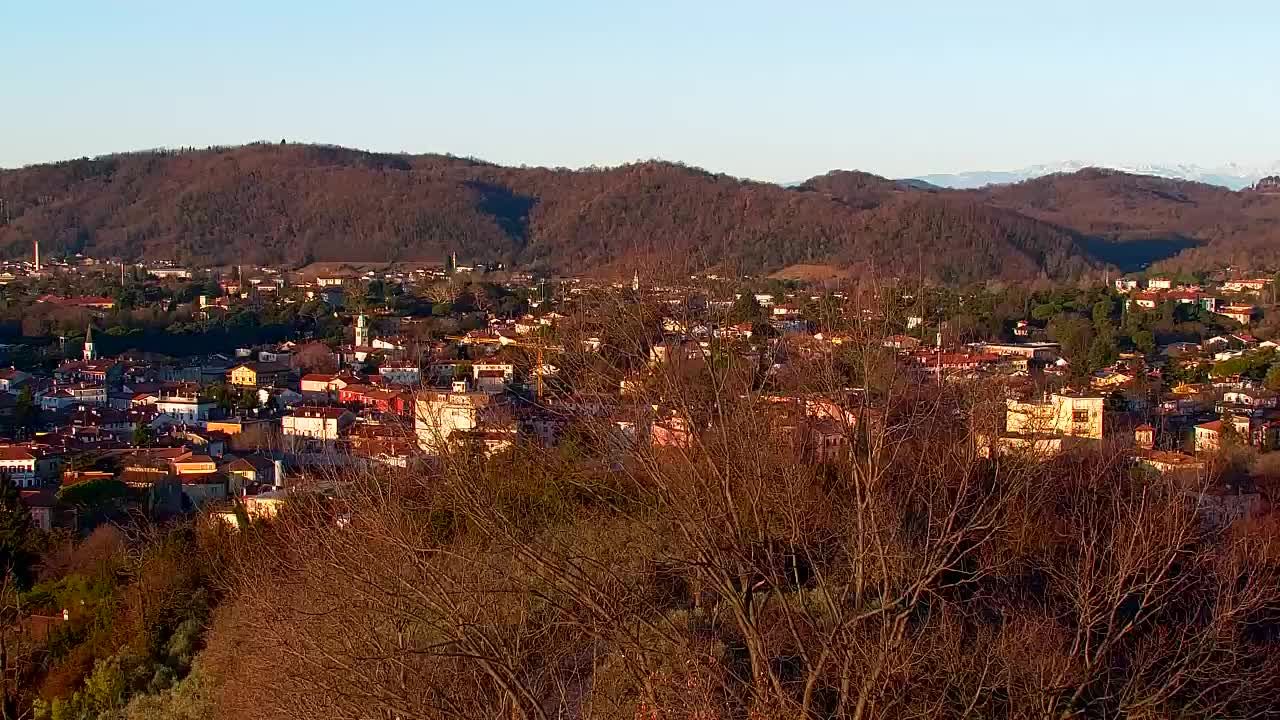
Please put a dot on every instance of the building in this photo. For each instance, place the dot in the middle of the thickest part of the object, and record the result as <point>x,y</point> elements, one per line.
<point>12,379</point>
<point>40,503</point>
<point>187,408</point>
<point>1254,285</point>
<point>493,377</point>
<point>901,342</point>
<point>252,470</point>
<point>1242,314</point>
<point>323,385</point>
<point>1042,351</point>
<point>400,373</point>
<point>1126,285</point>
<point>1208,438</point>
<point>322,424</point>
<point>1159,283</point>
<point>1081,416</point>
<point>90,347</point>
<point>19,464</point>
<point>1146,300</point>
<point>438,415</point>
<point>255,374</point>
<point>362,331</point>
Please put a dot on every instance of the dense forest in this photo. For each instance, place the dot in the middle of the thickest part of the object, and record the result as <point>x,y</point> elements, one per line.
<point>294,204</point>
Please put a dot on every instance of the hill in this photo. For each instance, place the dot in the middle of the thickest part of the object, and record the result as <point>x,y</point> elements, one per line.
<point>1137,218</point>
<point>298,204</point>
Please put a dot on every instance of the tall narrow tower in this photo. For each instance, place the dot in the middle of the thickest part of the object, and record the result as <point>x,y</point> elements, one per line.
<point>635,281</point>
<point>37,244</point>
<point>90,350</point>
<point>362,331</point>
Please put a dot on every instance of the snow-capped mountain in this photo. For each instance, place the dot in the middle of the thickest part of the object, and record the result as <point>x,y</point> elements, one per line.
<point>1230,175</point>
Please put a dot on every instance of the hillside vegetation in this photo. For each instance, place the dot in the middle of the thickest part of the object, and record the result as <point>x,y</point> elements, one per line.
<point>297,204</point>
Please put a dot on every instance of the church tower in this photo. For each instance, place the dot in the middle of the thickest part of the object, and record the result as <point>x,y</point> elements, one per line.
<point>90,351</point>
<point>362,331</point>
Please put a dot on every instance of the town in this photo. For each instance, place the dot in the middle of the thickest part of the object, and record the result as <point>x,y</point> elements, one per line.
<point>211,389</point>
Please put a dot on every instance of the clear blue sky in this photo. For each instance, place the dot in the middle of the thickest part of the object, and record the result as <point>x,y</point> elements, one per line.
<point>771,90</point>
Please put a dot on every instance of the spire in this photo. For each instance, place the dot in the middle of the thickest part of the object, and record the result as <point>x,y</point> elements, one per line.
<point>90,348</point>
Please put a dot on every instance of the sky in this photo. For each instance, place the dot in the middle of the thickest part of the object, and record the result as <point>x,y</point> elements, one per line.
<point>768,90</point>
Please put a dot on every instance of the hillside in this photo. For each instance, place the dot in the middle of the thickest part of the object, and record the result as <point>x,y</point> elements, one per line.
<point>297,204</point>
<point>1148,218</point>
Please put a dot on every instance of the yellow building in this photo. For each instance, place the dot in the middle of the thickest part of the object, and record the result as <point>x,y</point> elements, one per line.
<point>256,374</point>
<point>1070,415</point>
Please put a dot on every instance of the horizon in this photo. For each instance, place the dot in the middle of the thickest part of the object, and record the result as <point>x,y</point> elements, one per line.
<point>754,92</point>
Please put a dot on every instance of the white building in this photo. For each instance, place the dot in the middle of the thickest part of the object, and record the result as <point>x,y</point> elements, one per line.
<point>19,464</point>
<point>324,424</point>
<point>401,374</point>
<point>438,415</point>
<point>493,377</point>
<point>185,408</point>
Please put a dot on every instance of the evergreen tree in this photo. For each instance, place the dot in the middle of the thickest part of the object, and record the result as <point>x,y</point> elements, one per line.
<point>16,530</point>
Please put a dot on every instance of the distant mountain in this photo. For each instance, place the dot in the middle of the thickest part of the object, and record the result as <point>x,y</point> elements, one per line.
<point>1231,175</point>
<point>296,204</point>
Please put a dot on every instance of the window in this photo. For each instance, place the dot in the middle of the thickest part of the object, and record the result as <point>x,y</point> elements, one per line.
<point>1080,416</point>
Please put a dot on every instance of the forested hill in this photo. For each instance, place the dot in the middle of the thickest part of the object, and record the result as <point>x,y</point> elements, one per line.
<point>300,203</point>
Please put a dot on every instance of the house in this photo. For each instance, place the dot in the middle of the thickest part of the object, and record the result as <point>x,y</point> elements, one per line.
<point>400,373</point>
<point>1242,314</point>
<point>1146,300</point>
<point>901,342</point>
<point>12,379</point>
<point>1126,285</point>
<point>1253,285</point>
<point>1250,398</point>
<point>1081,416</point>
<point>19,463</point>
<point>1040,351</point>
<point>438,415</point>
<point>251,470</point>
<point>323,424</point>
<point>1193,297</point>
<point>1159,283</point>
<point>184,407</point>
<point>194,465</point>
<point>40,503</point>
<point>493,377</point>
<point>376,398</point>
<point>323,385</point>
<point>1208,436</point>
<point>254,374</point>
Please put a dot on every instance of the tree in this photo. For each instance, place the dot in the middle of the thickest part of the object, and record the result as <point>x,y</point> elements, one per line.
<point>143,435</point>
<point>1102,352</point>
<point>1144,341</point>
<point>746,309</point>
<point>1075,334</point>
<point>1102,314</point>
<point>1273,377</point>
<point>26,413</point>
<point>16,534</point>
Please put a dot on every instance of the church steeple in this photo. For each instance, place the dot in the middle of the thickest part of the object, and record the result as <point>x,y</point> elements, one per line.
<point>90,351</point>
<point>362,331</point>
